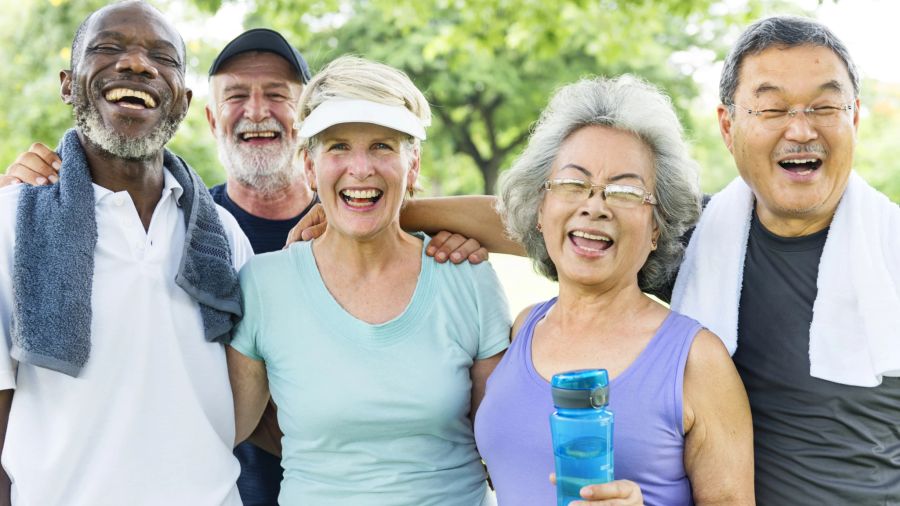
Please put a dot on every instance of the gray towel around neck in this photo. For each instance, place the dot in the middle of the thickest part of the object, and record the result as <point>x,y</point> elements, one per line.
<point>53,266</point>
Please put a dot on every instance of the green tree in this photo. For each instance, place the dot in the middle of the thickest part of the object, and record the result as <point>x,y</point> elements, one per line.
<point>877,149</point>
<point>489,66</point>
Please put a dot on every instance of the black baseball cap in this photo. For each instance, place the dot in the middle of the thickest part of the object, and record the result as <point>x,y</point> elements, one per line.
<point>263,39</point>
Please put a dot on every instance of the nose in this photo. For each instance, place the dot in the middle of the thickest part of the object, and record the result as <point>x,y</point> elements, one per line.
<point>256,108</point>
<point>360,165</point>
<point>595,206</point>
<point>800,129</point>
<point>136,62</point>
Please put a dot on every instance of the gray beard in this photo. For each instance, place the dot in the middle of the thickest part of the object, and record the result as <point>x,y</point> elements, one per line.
<point>90,123</point>
<point>267,169</point>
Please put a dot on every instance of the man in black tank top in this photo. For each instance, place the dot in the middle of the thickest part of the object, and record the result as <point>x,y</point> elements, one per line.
<point>789,115</point>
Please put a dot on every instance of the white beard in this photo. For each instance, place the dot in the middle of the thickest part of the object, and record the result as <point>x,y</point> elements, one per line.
<point>267,169</point>
<point>91,124</point>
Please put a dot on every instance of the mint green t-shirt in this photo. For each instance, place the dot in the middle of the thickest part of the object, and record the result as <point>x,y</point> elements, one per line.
<point>373,414</point>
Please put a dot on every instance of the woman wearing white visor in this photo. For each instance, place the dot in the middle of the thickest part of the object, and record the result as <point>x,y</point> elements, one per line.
<point>375,355</point>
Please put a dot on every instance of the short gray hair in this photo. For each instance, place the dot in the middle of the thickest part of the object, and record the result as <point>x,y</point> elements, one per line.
<point>786,32</point>
<point>624,103</point>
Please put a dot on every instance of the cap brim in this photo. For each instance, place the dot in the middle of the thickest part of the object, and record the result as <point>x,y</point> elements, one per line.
<point>336,112</point>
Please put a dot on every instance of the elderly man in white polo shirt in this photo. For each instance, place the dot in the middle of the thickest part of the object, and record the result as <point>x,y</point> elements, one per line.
<point>117,288</point>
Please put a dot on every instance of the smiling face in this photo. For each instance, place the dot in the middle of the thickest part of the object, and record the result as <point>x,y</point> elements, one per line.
<point>254,102</point>
<point>127,91</point>
<point>590,241</point>
<point>362,172</point>
<point>798,172</point>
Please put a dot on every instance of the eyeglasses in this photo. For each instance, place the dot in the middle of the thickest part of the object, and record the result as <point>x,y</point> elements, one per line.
<point>778,118</point>
<point>617,195</point>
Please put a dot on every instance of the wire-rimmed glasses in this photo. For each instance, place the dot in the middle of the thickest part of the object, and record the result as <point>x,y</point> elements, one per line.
<point>776,118</point>
<point>615,194</point>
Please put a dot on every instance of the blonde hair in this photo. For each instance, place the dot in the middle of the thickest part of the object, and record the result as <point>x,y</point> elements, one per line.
<point>352,77</point>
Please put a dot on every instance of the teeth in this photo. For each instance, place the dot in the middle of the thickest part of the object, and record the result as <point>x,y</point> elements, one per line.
<point>806,160</point>
<point>361,194</point>
<point>253,135</point>
<point>116,94</point>
<point>579,233</point>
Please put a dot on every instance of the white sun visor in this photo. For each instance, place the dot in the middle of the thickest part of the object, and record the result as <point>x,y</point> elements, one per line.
<point>337,111</point>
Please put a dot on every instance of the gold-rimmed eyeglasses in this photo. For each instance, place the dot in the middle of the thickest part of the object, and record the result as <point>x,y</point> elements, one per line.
<point>776,118</point>
<point>615,194</point>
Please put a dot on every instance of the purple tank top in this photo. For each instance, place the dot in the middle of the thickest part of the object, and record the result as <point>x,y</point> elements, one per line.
<point>512,428</point>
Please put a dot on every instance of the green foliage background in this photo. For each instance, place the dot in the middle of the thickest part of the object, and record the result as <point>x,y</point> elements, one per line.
<point>487,67</point>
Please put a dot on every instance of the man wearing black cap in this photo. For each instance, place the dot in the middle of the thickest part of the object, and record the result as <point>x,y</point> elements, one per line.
<point>255,84</point>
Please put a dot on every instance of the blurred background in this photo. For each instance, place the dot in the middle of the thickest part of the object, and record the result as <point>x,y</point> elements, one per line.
<point>486,66</point>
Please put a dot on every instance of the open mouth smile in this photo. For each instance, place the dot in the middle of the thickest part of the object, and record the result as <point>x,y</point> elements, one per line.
<point>258,136</point>
<point>130,98</point>
<point>361,198</point>
<point>591,242</point>
<point>801,166</point>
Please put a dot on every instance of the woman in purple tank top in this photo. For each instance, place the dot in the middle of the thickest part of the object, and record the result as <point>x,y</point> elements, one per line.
<point>599,200</point>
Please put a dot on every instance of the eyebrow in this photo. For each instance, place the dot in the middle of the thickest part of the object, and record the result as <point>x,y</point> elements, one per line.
<point>347,139</point>
<point>617,177</point>
<point>766,88</point>
<point>267,87</point>
<point>832,85</point>
<point>119,37</point>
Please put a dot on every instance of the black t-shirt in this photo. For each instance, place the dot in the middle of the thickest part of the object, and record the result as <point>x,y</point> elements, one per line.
<point>816,442</point>
<point>265,235</point>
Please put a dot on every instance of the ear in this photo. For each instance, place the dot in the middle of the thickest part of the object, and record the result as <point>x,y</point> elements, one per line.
<point>211,119</point>
<point>725,125</point>
<point>310,170</point>
<point>412,174</point>
<point>540,216</point>
<point>65,86</point>
<point>188,95</point>
<point>856,115</point>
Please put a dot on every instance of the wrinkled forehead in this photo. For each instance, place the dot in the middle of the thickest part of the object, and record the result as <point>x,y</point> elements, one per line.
<point>253,66</point>
<point>135,21</point>
<point>791,71</point>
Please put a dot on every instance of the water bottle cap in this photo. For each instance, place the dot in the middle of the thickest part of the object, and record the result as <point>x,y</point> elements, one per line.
<point>586,388</point>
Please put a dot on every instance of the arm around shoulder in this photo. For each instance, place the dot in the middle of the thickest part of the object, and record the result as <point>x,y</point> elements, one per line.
<point>472,216</point>
<point>718,454</point>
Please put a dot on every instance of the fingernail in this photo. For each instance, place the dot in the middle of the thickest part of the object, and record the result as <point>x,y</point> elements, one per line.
<point>587,492</point>
<point>430,251</point>
<point>56,165</point>
<point>456,257</point>
<point>41,181</point>
<point>441,257</point>
<point>53,178</point>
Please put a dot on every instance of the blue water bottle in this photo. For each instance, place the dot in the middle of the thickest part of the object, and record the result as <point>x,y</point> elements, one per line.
<point>582,430</point>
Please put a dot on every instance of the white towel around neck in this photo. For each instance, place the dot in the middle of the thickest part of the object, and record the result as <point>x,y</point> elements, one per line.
<point>854,338</point>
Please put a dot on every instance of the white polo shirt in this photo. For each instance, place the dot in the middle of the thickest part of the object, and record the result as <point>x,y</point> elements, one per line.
<point>150,419</point>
